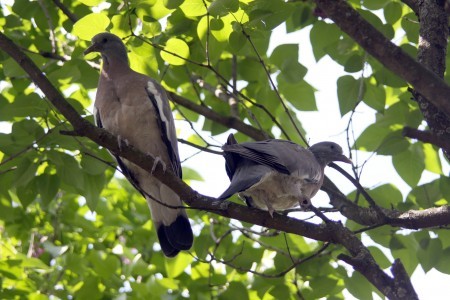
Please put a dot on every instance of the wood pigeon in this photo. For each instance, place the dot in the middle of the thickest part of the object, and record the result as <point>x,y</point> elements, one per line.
<point>276,175</point>
<point>135,108</point>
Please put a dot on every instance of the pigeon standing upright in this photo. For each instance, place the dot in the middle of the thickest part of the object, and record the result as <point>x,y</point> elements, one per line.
<point>276,175</point>
<point>135,108</point>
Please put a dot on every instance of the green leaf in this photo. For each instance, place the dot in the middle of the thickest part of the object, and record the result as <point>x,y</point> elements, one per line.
<point>322,286</point>
<point>235,290</point>
<point>379,257</point>
<point>387,195</point>
<point>91,2</point>
<point>322,36</point>
<point>24,173</point>
<point>193,8</point>
<point>279,291</point>
<point>410,25</point>
<point>89,289</point>
<point>426,194</point>
<point>27,194</point>
<point>444,262</point>
<point>300,95</point>
<point>143,59</point>
<point>68,169</point>
<point>121,24</point>
<point>410,164</point>
<point>48,186</point>
<point>221,28</point>
<point>93,186</point>
<point>236,41</point>
<point>374,96</point>
<point>393,143</point>
<point>348,89</point>
<point>172,4</point>
<point>177,265</point>
<point>358,286</point>
<point>430,256</point>
<point>432,160</point>
<point>355,63</point>
<point>392,12</point>
<point>191,174</point>
<point>223,7</point>
<point>375,4</point>
<point>268,14</point>
<point>105,265</point>
<point>178,47</point>
<point>151,10</point>
<point>90,25</point>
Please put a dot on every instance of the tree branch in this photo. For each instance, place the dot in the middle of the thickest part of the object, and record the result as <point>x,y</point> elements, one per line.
<point>427,137</point>
<point>72,17</point>
<point>391,56</point>
<point>432,50</point>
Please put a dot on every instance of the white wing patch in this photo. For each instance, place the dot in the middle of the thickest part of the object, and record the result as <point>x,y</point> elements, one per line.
<point>159,102</point>
<point>151,88</point>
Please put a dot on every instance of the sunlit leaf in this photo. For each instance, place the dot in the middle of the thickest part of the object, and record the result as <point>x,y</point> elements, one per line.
<point>90,25</point>
<point>175,52</point>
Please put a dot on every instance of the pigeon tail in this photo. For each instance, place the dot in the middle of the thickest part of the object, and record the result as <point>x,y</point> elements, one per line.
<point>175,237</point>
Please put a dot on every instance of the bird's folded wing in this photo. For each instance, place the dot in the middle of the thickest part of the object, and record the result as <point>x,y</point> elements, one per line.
<point>165,121</point>
<point>275,154</point>
<point>247,174</point>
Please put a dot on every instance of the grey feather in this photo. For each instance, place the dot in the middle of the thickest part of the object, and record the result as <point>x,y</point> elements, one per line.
<point>277,174</point>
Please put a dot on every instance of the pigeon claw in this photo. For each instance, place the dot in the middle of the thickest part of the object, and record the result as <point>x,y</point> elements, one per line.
<point>158,160</point>
<point>120,142</point>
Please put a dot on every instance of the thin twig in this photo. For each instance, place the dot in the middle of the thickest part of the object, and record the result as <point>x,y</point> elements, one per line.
<point>203,149</point>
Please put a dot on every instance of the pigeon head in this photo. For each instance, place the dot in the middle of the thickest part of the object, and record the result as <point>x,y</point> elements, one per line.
<point>109,46</point>
<point>326,152</point>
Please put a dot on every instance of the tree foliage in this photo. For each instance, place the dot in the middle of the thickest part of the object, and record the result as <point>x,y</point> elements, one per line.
<point>70,228</point>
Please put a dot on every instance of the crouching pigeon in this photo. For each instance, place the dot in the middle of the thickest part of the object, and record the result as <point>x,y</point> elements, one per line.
<point>276,175</point>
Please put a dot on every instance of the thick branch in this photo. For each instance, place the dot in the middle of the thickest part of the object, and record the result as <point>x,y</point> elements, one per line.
<point>432,52</point>
<point>411,219</point>
<point>427,137</point>
<point>415,219</point>
<point>392,57</point>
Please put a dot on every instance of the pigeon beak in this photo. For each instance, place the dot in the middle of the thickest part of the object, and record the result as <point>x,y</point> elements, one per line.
<point>345,159</point>
<point>92,48</point>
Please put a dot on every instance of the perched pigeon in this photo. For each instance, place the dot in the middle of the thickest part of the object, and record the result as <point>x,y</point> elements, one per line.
<point>276,175</point>
<point>136,109</point>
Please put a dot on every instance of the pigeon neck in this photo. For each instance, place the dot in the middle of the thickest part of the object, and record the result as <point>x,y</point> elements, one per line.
<point>322,160</point>
<point>114,65</point>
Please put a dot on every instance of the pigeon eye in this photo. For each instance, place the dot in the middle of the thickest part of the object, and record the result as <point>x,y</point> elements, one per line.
<point>104,40</point>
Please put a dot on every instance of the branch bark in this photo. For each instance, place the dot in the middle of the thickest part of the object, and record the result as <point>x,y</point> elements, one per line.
<point>427,137</point>
<point>432,52</point>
